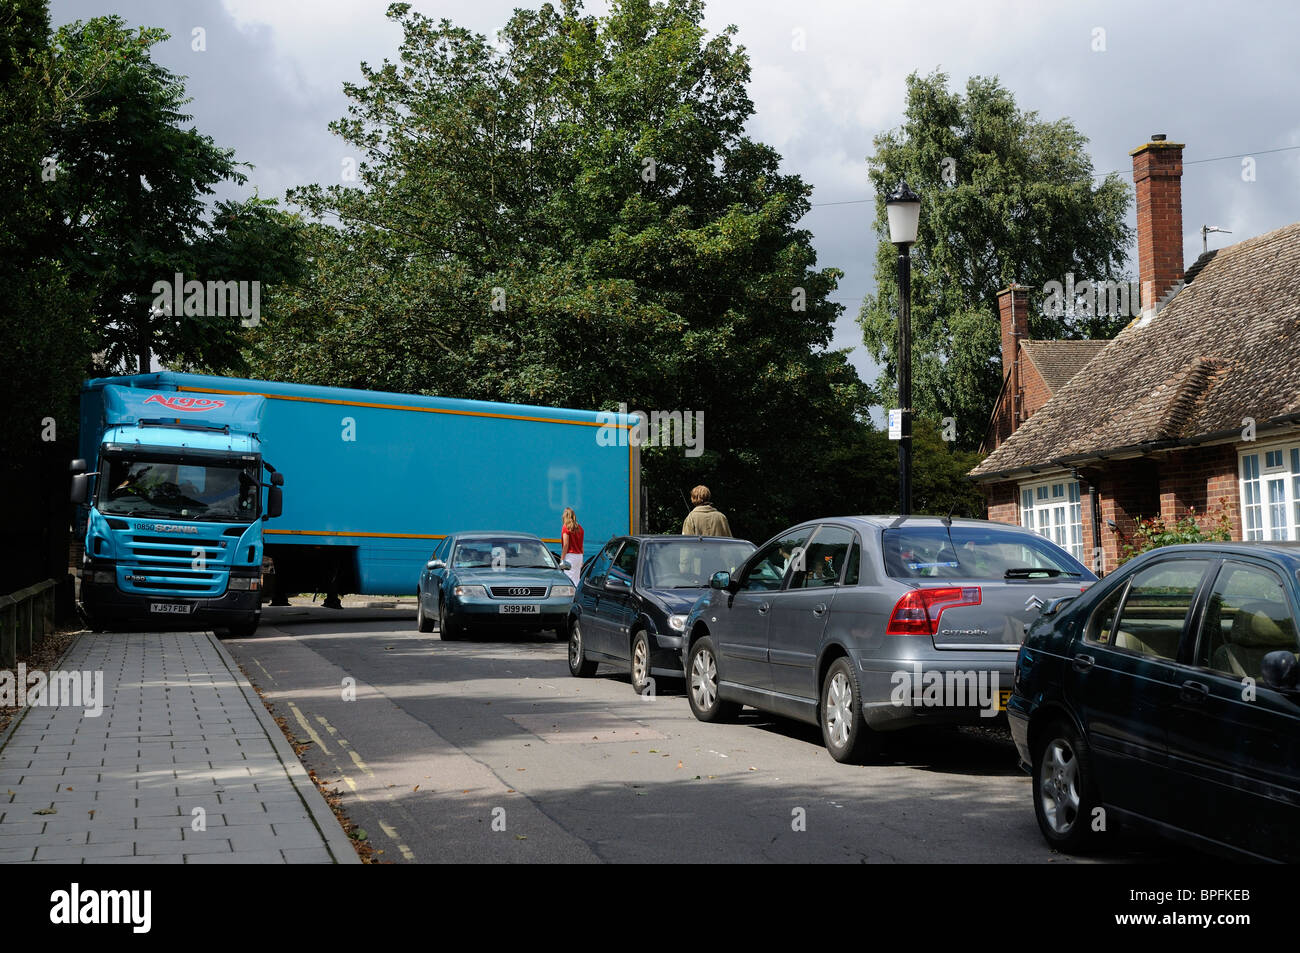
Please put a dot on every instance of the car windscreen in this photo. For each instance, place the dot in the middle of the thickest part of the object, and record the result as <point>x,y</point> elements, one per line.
<point>691,563</point>
<point>965,552</point>
<point>505,552</point>
<point>144,486</point>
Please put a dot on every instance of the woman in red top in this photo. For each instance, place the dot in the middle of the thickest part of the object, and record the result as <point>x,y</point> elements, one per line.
<point>571,544</point>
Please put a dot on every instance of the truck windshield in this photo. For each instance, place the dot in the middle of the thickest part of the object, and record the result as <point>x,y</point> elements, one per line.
<point>224,492</point>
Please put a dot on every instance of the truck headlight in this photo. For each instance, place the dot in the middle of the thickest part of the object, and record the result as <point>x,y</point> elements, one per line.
<point>677,623</point>
<point>562,591</point>
<point>470,592</point>
<point>245,582</point>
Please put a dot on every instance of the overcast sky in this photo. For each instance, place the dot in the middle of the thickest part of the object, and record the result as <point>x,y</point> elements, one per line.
<point>1220,78</point>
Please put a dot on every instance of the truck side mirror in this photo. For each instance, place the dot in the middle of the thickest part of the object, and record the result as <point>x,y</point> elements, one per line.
<point>77,466</point>
<point>277,479</point>
<point>80,488</point>
<point>274,503</point>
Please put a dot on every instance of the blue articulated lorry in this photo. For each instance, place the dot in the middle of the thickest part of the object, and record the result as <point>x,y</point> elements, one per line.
<point>372,481</point>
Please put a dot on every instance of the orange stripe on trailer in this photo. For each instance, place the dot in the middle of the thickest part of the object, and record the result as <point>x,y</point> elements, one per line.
<point>423,410</point>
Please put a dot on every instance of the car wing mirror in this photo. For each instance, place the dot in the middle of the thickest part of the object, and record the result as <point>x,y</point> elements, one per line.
<point>1053,606</point>
<point>436,564</point>
<point>1281,670</point>
<point>564,564</point>
<point>720,580</point>
<point>617,585</point>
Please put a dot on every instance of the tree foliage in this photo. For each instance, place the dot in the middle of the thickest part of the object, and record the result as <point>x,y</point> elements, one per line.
<point>574,216</point>
<point>1006,196</point>
<point>134,187</point>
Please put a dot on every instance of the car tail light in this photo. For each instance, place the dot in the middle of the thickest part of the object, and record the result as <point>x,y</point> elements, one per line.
<point>917,613</point>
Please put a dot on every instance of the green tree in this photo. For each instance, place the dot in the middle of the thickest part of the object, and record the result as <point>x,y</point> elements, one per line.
<point>575,217</point>
<point>1006,197</point>
<point>133,186</point>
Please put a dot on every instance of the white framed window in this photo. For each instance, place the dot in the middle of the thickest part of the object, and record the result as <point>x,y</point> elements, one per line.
<point>1269,481</point>
<point>1052,508</point>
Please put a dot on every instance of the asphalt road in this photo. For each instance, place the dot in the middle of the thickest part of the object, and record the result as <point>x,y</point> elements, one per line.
<point>489,751</point>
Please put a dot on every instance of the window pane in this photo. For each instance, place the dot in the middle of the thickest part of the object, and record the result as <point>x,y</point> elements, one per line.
<point>767,571</point>
<point>824,560</point>
<point>1247,617</point>
<point>1102,623</point>
<point>854,567</point>
<point>1156,608</point>
<point>1277,524</point>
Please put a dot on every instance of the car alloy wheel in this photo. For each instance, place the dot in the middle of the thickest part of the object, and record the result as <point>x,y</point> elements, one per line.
<point>579,665</point>
<point>839,710</point>
<point>702,690</point>
<point>1058,786</point>
<point>704,679</point>
<point>845,731</point>
<point>640,663</point>
<point>1066,803</point>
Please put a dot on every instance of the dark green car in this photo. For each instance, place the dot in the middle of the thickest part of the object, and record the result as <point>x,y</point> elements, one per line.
<point>1168,698</point>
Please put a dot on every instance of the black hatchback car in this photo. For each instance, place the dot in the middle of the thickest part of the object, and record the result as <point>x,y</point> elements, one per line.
<point>1167,697</point>
<point>632,601</point>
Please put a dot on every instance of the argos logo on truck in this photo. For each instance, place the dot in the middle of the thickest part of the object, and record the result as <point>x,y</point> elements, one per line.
<point>186,404</point>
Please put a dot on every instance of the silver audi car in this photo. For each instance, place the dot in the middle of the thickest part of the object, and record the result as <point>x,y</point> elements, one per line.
<point>869,624</point>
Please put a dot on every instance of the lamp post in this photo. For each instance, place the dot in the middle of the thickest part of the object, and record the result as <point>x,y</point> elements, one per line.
<point>904,209</point>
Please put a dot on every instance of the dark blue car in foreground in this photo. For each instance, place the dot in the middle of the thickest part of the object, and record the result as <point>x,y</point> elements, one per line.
<point>633,599</point>
<point>1168,698</point>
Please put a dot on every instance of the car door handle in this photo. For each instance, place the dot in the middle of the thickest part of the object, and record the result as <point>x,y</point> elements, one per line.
<point>819,608</point>
<point>763,607</point>
<point>1082,663</point>
<point>1194,692</point>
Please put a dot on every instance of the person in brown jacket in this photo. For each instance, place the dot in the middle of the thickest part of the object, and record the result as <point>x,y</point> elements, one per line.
<point>704,519</point>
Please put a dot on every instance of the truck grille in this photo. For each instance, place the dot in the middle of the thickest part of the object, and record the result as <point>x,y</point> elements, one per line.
<point>165,565</point>
<point>518,592</point>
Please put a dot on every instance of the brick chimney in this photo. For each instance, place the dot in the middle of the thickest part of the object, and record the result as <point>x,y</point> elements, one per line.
<point>1157,173</point>
<point>1013,310</point>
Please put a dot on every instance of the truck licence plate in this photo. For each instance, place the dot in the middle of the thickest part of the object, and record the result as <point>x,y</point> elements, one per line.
<point>520,610</point>
<point>173,608</point>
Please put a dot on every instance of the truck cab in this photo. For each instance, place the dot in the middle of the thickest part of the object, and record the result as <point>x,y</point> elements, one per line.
<point>173,511</point>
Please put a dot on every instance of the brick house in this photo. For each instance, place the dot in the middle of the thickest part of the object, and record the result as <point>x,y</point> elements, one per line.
<point>1192,406</point>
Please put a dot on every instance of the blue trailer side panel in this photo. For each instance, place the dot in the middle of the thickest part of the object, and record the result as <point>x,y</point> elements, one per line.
<point>388,475</point>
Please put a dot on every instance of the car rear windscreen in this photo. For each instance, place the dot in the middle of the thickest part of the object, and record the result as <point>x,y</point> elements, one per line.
<point>964,552</point>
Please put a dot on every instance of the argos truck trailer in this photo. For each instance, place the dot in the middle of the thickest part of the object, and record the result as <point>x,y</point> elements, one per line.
<point>372,482</point>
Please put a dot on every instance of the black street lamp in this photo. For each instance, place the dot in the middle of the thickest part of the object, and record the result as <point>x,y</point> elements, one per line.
<point>904,209</point>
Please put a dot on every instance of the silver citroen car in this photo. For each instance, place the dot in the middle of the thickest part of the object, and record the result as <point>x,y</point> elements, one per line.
<point>870,624</point>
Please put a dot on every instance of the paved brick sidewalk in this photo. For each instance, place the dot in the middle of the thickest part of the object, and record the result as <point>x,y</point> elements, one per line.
<point>181,729</point>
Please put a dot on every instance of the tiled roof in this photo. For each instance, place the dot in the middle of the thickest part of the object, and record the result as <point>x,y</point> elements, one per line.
<point>1226,347</point>
<point>1058,361</point>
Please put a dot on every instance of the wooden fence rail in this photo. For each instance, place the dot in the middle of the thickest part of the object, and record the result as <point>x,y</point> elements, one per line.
<point>26,618</point>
